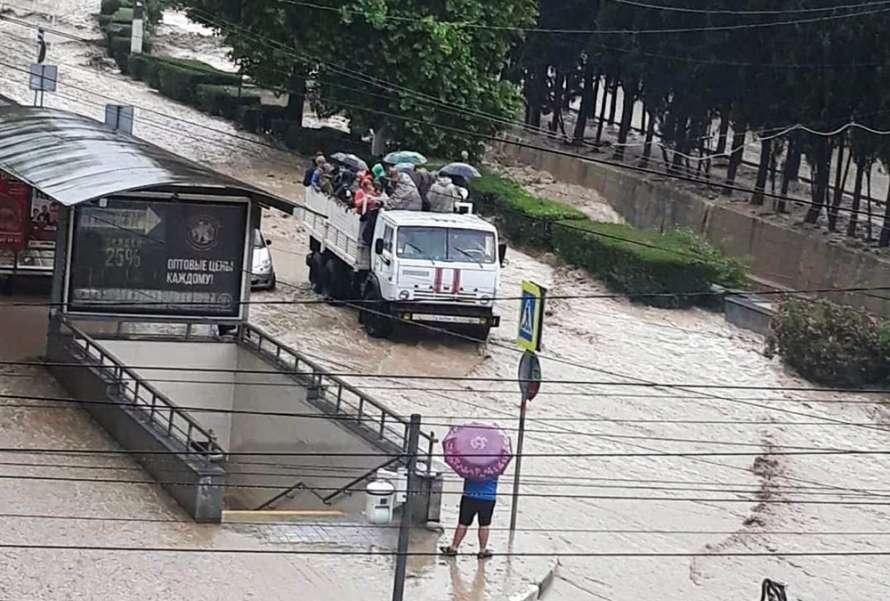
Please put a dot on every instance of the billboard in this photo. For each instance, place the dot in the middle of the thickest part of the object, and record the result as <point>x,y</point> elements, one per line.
<point>133,256</point>
<point>13,213</point>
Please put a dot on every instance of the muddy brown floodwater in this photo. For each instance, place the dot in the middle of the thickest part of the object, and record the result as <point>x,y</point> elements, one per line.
<point>728,519</point>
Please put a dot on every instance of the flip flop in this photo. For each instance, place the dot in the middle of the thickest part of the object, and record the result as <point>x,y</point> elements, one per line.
<point>484,554</point>
<point>448,551</point>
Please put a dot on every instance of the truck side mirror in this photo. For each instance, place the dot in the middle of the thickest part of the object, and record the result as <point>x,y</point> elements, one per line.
<point>378,246</point>
<point>502,252</point>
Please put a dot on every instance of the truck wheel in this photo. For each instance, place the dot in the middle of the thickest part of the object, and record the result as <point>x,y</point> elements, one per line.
<point>377,323</point>
<point>316,273</point>
<point>480,332</point>
<point>332,279</point>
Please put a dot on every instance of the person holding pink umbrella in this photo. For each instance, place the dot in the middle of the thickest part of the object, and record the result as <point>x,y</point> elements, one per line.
<point>478,501</point>
<point>479,453</point>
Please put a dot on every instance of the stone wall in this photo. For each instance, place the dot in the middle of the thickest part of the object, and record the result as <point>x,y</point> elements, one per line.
<point>785,255</point>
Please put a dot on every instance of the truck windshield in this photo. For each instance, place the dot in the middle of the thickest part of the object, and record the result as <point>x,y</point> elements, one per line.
<point>446,244</point>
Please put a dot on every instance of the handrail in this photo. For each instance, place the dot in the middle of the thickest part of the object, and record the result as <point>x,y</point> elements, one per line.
<point>346,487</point>
<point>337,396</point>
<point>157,406</point>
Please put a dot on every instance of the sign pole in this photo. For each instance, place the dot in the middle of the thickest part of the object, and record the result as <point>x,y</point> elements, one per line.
<point>398,589</point>
<point>518,468</point>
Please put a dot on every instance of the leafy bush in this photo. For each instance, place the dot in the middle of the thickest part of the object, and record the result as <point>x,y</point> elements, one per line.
<point>179,78</point>
<point>109,7</point>
<point>119,48</point>
<point>729,272</point>
<point>527,219</point>
<point>657,269</point>
<point>122,15</point>
<point>831,344</point>
<point>224,100</point>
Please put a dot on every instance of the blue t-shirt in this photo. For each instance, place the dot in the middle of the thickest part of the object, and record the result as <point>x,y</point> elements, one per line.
<point>481,489</point>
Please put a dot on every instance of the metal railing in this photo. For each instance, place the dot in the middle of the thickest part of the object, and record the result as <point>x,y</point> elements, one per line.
<point>133,392</point>
<point>377,423</point>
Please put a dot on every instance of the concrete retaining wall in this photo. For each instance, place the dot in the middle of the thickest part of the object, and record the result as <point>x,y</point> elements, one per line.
<point>786,255</point>
<point>198,485</point>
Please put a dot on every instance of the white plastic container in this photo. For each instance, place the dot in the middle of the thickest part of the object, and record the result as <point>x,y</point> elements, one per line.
<point>379,496</point>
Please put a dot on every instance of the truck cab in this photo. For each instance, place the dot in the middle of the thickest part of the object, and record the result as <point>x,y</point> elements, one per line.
<point>437,268</point>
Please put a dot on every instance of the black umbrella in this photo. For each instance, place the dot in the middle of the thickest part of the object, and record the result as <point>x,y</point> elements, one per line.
<point>349,160</point>
<point>463,170</point>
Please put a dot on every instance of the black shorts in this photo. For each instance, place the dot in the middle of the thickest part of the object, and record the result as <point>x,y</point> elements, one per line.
<point>470,507</point>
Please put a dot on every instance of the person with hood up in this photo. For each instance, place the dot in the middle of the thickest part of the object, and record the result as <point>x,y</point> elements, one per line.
<point>442,195</point>
<point>404,195</point>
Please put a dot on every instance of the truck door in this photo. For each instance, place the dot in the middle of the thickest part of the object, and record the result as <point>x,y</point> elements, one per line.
<point>384,264</point>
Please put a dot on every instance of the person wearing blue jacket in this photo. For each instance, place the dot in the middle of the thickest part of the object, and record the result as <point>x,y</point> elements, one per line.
<point>478,501</point>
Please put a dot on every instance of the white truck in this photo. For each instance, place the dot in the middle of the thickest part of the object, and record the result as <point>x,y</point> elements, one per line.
<point>441,269</point>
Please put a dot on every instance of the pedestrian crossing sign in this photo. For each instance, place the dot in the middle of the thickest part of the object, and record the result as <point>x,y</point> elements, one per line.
<point>531,316</point>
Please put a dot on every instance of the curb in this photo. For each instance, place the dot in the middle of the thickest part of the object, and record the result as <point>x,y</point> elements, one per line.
<point>536,591</point>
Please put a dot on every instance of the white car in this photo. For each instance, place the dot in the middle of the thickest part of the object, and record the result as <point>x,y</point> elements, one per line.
<point>262,273</point>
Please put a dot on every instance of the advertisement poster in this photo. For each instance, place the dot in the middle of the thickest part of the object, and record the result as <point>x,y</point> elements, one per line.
<point>149,257</point>
<point>13,213</point>
<point>43,221</point>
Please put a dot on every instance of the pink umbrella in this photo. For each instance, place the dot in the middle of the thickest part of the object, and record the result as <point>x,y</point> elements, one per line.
<point>477,451</point>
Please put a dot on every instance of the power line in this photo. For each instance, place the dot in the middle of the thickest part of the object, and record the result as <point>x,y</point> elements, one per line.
<point>339,525</point>
<point>709,11</point>
<point>380,553</point>
<point>538,30</point>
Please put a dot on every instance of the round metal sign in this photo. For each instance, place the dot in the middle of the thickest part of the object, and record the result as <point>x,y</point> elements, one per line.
<point>529,375</point>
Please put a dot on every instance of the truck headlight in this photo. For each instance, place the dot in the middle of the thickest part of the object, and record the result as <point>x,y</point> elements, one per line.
<point>404,295</point>
<point>484,300</point>
<point>264,266</point>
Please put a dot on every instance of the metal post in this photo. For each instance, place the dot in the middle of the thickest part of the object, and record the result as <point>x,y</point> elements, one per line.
<point>398,589</point>
<point>516,474</point>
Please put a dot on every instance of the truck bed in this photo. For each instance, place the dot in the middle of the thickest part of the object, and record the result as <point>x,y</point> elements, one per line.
<point>337,228</point>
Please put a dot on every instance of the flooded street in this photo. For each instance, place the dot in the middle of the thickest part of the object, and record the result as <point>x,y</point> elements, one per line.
<point>625,473</point>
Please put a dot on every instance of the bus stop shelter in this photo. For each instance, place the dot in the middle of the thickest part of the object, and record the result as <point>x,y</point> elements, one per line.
<point>124,226</point>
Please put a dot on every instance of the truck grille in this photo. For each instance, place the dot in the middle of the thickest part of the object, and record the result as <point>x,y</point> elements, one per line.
<point>446,297</point>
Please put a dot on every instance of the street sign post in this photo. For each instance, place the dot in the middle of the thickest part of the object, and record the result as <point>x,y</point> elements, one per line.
<point>531,316</point>
<point>529,384</point>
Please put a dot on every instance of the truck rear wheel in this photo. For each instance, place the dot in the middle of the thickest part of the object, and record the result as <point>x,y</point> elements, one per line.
<point>317,272</point>
<point>374,316</point>
<point>335,279</point>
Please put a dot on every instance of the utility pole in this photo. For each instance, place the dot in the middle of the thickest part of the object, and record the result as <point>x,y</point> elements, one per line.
<point>398,589</point>
<point>138,29</point>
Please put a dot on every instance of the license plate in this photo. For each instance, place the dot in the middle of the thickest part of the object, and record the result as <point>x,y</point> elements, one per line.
<point>447,318</point>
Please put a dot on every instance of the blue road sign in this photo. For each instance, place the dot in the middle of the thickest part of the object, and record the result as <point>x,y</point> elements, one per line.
<point>531,316</point>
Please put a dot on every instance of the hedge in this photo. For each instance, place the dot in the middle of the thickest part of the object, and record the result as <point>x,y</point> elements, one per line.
<point>832,344</point>
<point>122,15</point>
<point>527,219</point>
<point>119,48</point>
<point>658,269</point>
<point>224,100</point>
<point>179,78</point>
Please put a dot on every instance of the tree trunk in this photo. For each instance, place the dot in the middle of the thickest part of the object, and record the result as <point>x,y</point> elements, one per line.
<point>647,146</point>
<point>724,130</point>
<point>792,163</point>
<point>821,175</point>
<point>559,84</point>
<point>613,102</point>
<point>884,240</point>
<point>602,119</point>
<point>296,96</point>
<point>588,99</point>
<point>735,159</point>
<point>643,119</point>
<point>627,113</point>
<point>857,196</point>
<point>839,185</point>
<point>596,93</point>
<point>868,230</point>
<point>766,147</point>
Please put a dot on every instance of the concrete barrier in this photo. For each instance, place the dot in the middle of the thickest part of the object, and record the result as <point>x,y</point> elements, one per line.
<point>791,256</point>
